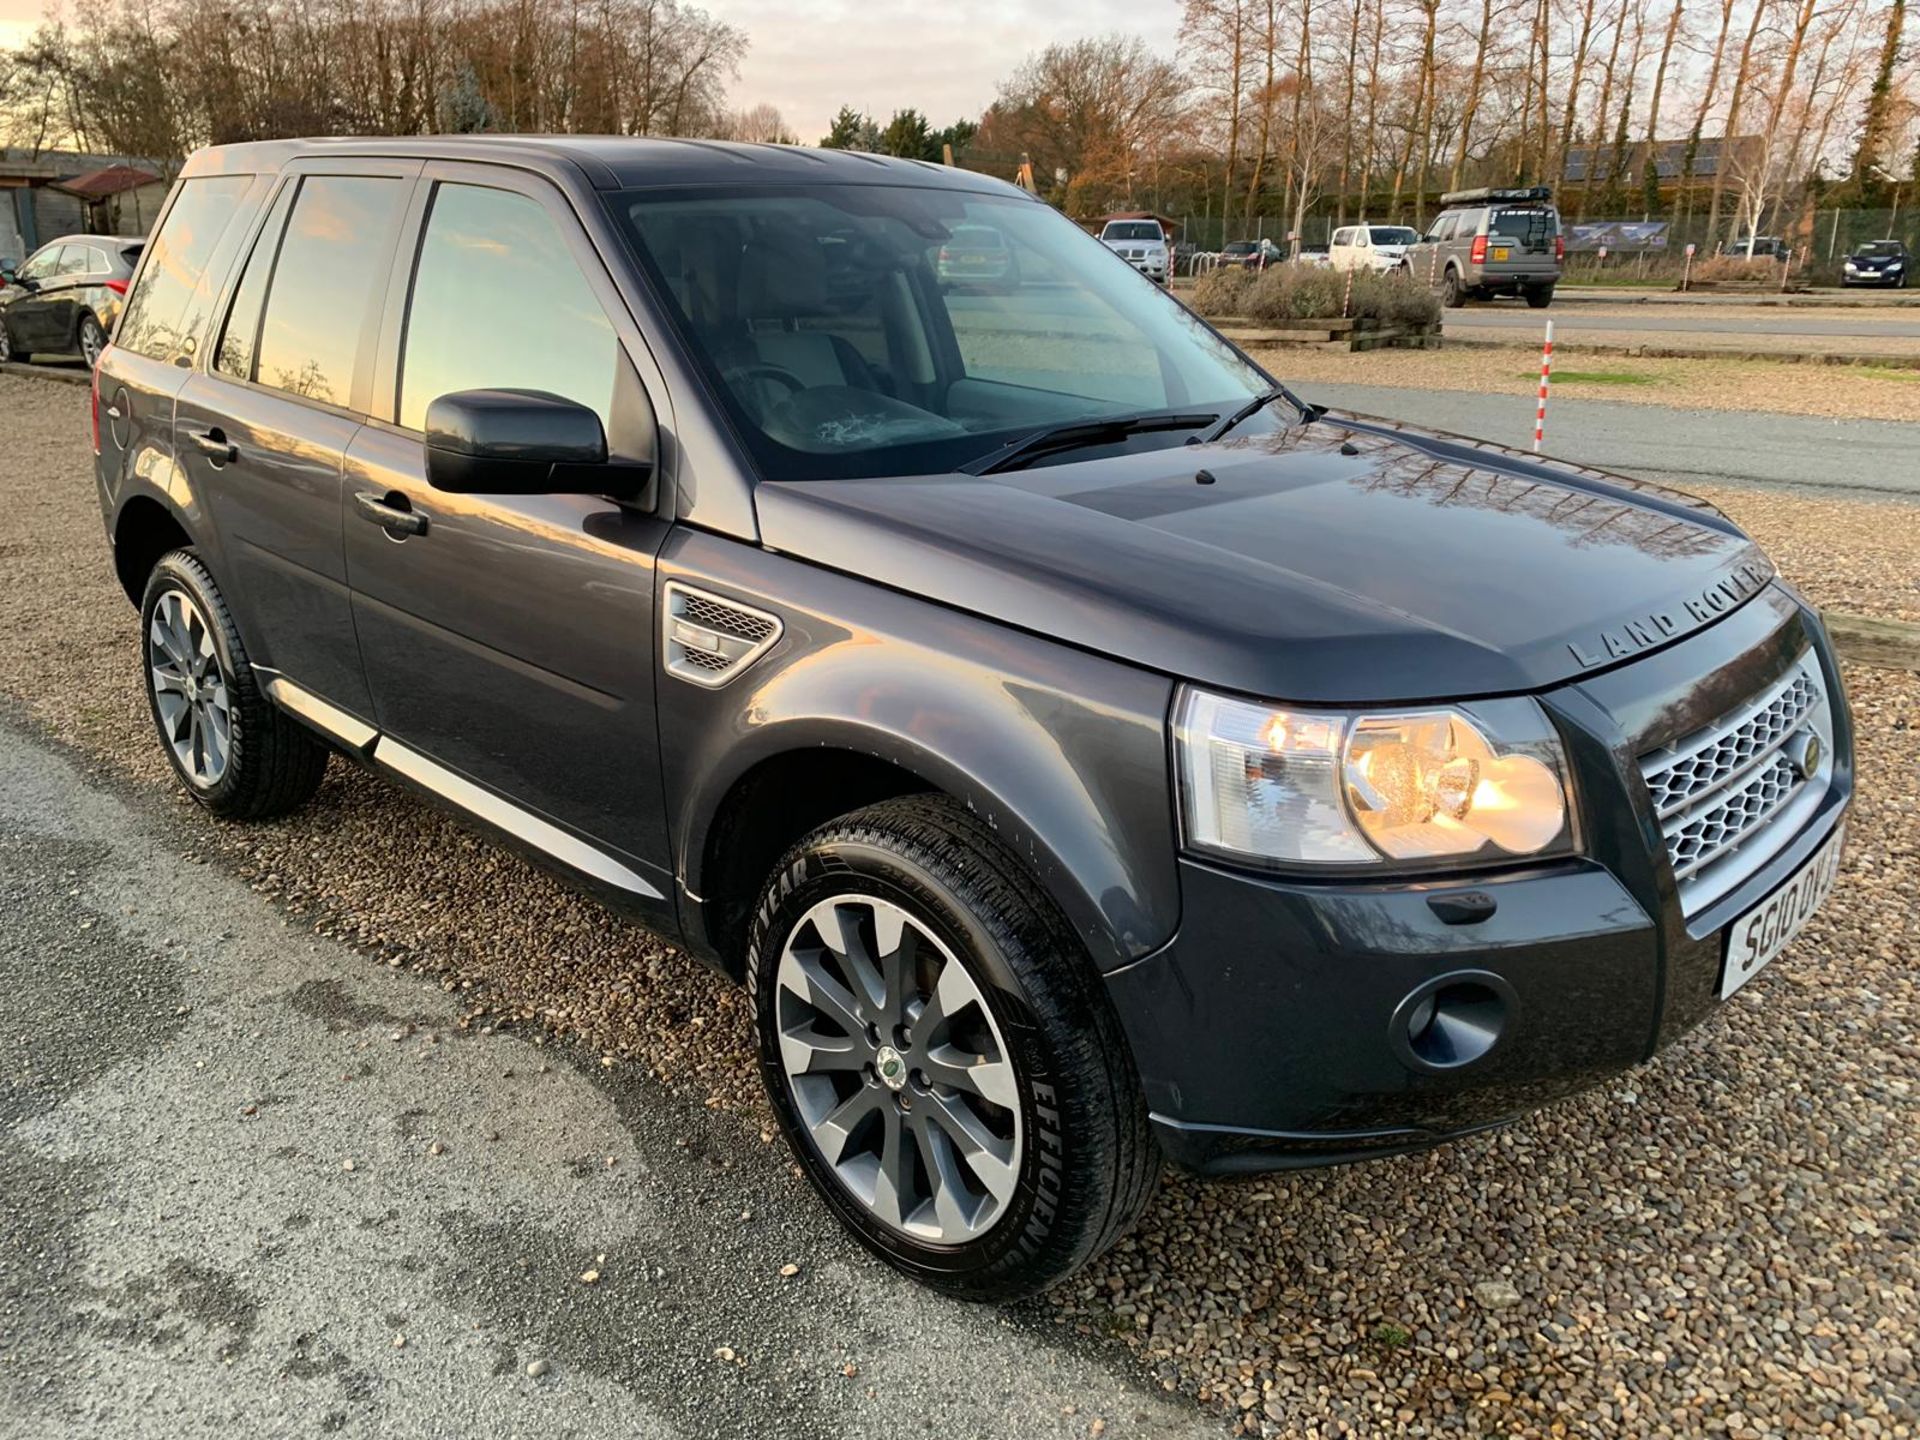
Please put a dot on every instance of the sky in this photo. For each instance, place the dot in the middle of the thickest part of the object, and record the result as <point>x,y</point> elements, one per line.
<point>810,57</point>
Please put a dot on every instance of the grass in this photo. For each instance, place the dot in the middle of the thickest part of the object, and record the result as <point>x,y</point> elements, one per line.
<point>1889,372</point>
<point>1598,377</point>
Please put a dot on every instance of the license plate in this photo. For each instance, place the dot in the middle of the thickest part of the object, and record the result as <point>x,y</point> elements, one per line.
<point>1767,929</point>
<point>1500,252</point>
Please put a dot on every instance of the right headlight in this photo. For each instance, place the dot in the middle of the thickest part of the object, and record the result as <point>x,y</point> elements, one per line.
<point>1426,786</point>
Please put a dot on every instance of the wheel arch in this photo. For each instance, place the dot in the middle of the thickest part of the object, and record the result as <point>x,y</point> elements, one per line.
<point>764,812</point>
<point>796,775</point>
<point>143,531</point>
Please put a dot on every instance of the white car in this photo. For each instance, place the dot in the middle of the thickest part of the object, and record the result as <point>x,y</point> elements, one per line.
<point>1371,247</point>
<point>1142,244</point>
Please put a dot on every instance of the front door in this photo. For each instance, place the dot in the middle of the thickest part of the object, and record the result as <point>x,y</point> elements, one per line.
<point>263,431</point>
<point>29,312</point>
<point>510,639</point>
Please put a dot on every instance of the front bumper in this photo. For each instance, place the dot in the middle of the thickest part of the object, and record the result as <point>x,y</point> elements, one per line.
<point>1888,279</point>
<point>1272,1031</point>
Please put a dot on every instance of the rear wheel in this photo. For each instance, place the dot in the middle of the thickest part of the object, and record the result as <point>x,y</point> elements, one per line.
<point>941,1056</point>
<point>1452,293</point>
<point>1539,296</point>
<point>92,340</point>
<point>234,750</point>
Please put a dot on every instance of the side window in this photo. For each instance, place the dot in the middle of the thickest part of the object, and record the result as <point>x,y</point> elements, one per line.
<point>155,322</point>
<point>332,263</point>
<point>73,261</point>
<point>97,262</point>
<point>498,302</point>
<point>1442,230</point>
<point>1341,237</point>
<point>42,263</point>
<point>242,334</point>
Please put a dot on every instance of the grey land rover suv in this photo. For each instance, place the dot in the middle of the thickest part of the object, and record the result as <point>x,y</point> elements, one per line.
<point>1085,751</point>
<point>1491,242</point>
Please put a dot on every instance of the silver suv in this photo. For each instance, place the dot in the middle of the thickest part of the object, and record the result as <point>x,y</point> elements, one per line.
<point>1142,244</point>
<point>1492,242</point>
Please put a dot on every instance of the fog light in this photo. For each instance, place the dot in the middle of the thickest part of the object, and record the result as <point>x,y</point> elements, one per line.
<point>1452,1021</point>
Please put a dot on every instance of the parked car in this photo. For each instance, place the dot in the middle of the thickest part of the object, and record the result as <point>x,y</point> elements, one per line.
<point>67,297</point>
<point>1371,247</point>
<point>977,255</point>
<point>1314,255</point>
<point>1758,247</point>
<point>1490,242</point>
<point>1252,254</point>
<point>1083,750</point>
<point>1878,262</point>
<point>1142,244</point>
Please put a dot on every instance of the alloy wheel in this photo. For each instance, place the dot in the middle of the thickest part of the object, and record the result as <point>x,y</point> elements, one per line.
<point>93,341</point>
<point>6,343</point>
<point>190,692</point>
<point>898,1070</point>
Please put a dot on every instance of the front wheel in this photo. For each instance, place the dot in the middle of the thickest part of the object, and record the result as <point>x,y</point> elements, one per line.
<point>1539,297</point>
<point>941,1056</point>
<point>8,355</point>
<point>235,751</point>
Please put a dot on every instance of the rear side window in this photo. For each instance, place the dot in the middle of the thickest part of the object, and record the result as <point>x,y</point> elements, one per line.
<point>73,261</point>
<point>242,335</point>
<point>161,313</point>
<point>498,303</point>
<point>332,262</point>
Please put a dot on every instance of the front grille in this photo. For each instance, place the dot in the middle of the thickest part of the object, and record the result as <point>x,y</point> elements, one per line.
<point>1728,795</point>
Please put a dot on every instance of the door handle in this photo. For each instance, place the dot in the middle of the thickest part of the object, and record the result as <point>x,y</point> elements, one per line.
<point>395,519</point>
<point>214,444</point>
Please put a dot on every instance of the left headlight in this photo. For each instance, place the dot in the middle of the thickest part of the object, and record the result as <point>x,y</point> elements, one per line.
<point>1344,788</point>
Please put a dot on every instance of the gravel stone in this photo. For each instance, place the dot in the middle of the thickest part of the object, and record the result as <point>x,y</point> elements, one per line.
<point>1729,1251</point>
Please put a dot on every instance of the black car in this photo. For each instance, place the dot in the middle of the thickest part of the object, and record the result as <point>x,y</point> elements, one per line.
<point>1083,750</point>
<point>66,298</point>
<point>1251,254</point>
<point>1878,262</point>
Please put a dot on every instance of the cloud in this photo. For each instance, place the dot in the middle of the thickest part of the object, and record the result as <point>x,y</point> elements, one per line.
<point>944,60</point>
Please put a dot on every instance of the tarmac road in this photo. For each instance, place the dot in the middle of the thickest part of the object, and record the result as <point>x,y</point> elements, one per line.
<point>1654,442</point>
<point>221,1212</point>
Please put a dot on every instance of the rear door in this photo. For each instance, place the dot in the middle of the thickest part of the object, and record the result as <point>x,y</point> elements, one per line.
<point>1521,242</point>
<point>169,312</point>
<point>263,430</point>
<point>510,642</point>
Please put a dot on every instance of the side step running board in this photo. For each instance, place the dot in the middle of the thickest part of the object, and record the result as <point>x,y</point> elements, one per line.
<point>364,740</point>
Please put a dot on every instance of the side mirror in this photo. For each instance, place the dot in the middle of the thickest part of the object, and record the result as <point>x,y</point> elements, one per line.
<point>522,442</point>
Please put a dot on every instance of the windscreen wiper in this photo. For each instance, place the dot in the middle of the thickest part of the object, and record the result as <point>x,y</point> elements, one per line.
<point>1081,435</point>
<point>1308,414</point>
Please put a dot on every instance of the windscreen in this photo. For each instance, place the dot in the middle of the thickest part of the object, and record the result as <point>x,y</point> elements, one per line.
<point>1132,230</point>
<point>1883,247</point>
<point>863,330</point>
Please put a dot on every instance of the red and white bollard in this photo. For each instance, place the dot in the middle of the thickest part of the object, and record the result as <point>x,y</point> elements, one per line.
<point>1346,300</point>
<point>1546,378</point>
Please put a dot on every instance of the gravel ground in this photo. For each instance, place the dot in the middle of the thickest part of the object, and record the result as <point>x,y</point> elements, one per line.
<point>1719,1243</point>
<point>1831,391</point>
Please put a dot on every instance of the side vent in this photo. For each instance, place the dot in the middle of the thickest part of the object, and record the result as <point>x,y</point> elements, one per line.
<point>709,640</point>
